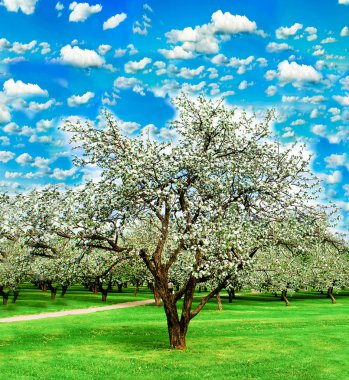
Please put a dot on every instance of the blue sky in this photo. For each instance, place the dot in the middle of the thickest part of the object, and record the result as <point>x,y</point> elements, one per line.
<point>69,59</point>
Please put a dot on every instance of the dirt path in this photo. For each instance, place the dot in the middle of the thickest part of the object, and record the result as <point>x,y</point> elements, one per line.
<point>55,314</point>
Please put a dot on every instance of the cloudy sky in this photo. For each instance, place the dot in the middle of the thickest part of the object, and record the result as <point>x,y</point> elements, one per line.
<point>62,60</point>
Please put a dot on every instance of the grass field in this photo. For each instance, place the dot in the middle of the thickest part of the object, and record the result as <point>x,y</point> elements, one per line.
<point>32,300</point>
<point>256,337</point>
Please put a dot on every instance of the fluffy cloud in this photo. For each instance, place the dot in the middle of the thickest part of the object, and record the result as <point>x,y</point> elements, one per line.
<point>135,66</point>
<point>244,84</point>
<point>44,125</point>
<point>335,160</point>
<point>232,24</point>
<point>81,11</point>
<point>271,90</point>
<point>26,6</point>
<point>274,47</point>
<point>344,32</point>
<point>342,100</point>
<point>24,159</point>
<point>75,56</point>
<point>176,53</point>
<point>284,32</point>
<point>103,49</point>
<point>6,156</point>
<point>205,39</point>
<point>19,89</point>
<point>61,174</point>
<point>12,128</point>
<point>76,100</point>
<point>124,83</point>
<point>343,2</point>
<point>292,72</point>
<point>114,21</point>
<point>19,48</point>
<point>190,73</point>
<point>334,178</point>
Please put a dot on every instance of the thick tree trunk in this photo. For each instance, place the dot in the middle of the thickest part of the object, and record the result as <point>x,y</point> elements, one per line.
<point>231,294</point>
<point>330,295</point>
<point>64,290</point>
<point>53,293</point>
<point>177,337</point>
<point>43,287</point>
<point>219,302</point>
<point>119,288</point>
<point>15,296</point>
<point>104,295</point>
<point>94,288</point>
<point>283,297</point>
<point>4,298</point>
<point>157,296</point>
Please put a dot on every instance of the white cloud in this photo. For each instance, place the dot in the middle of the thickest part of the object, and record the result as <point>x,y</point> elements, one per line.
<point>244,84</point>
<point>12,128</point>
<point>274,47</point>
<point>6,156</point>
<point>124,82</point>
<point>176,53</point>
<point>103,49</point>
<point>135,66</point>
<point>38,107</point>
<point>19,89</point>
<point>76,100</point>
<point>80,57</point>
<point>19,48</point>
<point>61,174</point>
<point>271,90</point>
<point>193,88</point>
<point>328,40</point>
<point>284,32</point>
<point>319,130</point>
<point>190,73</point>
<point>292,72</point>
<point>114,21</point>
<point>81,11</point>
<point>24,159</point>
<point>26,6</point>
<point>344,32</point>
<point>335,160</point>
<point>343,2</point>
<point>59,6</point>
<point>311,33</point>
<point>342,100</point>
<point>227,23</point>
<point>44,125</point>
<point>334,178</point>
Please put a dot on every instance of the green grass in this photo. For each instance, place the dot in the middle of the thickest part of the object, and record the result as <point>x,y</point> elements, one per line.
<point>256,337</point>
<point>32,300</point>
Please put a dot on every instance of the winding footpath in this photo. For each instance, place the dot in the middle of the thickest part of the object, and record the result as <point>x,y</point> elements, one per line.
<point>63,313</point>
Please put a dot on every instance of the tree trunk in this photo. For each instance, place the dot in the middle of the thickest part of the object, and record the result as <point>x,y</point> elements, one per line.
<point>119,288</point>
<point>330,295</point>
<point>94,288</point>
<point>231,294</point>
<point>43,287</point>
<point>157,296</point>
<point>15,296</point>
<point>53,293</point>
<point>136,289</point>
<point>177,337</point>
<point>64,290</point>
<point>104,295</point>
<point>4,298</point>
<point>219,302</point>
<point>283,297</point>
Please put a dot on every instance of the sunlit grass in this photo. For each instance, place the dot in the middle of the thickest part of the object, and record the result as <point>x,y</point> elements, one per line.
<point>255,337</point>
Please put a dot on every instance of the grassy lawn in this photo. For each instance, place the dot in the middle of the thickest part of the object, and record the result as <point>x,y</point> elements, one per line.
<point>256,337</point>
<point>32,300</point>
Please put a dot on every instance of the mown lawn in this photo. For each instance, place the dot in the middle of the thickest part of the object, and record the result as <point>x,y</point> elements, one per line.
<point>256,337</point>
<point>32,300</point>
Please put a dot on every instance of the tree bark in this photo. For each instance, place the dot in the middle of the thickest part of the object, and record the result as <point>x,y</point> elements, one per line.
<point>119,288</point>
<point>104,295</point>
<point>64,290</point>
<point>157,296</point>
<point>330,295</point>
<point>231,294</point>
<point>219,302</point>
<point>15,296</point>
<point>136,289</point>
<point>283,297</point>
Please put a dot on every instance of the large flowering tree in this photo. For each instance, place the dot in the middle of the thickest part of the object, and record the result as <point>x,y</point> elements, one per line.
<point>224,175</point>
